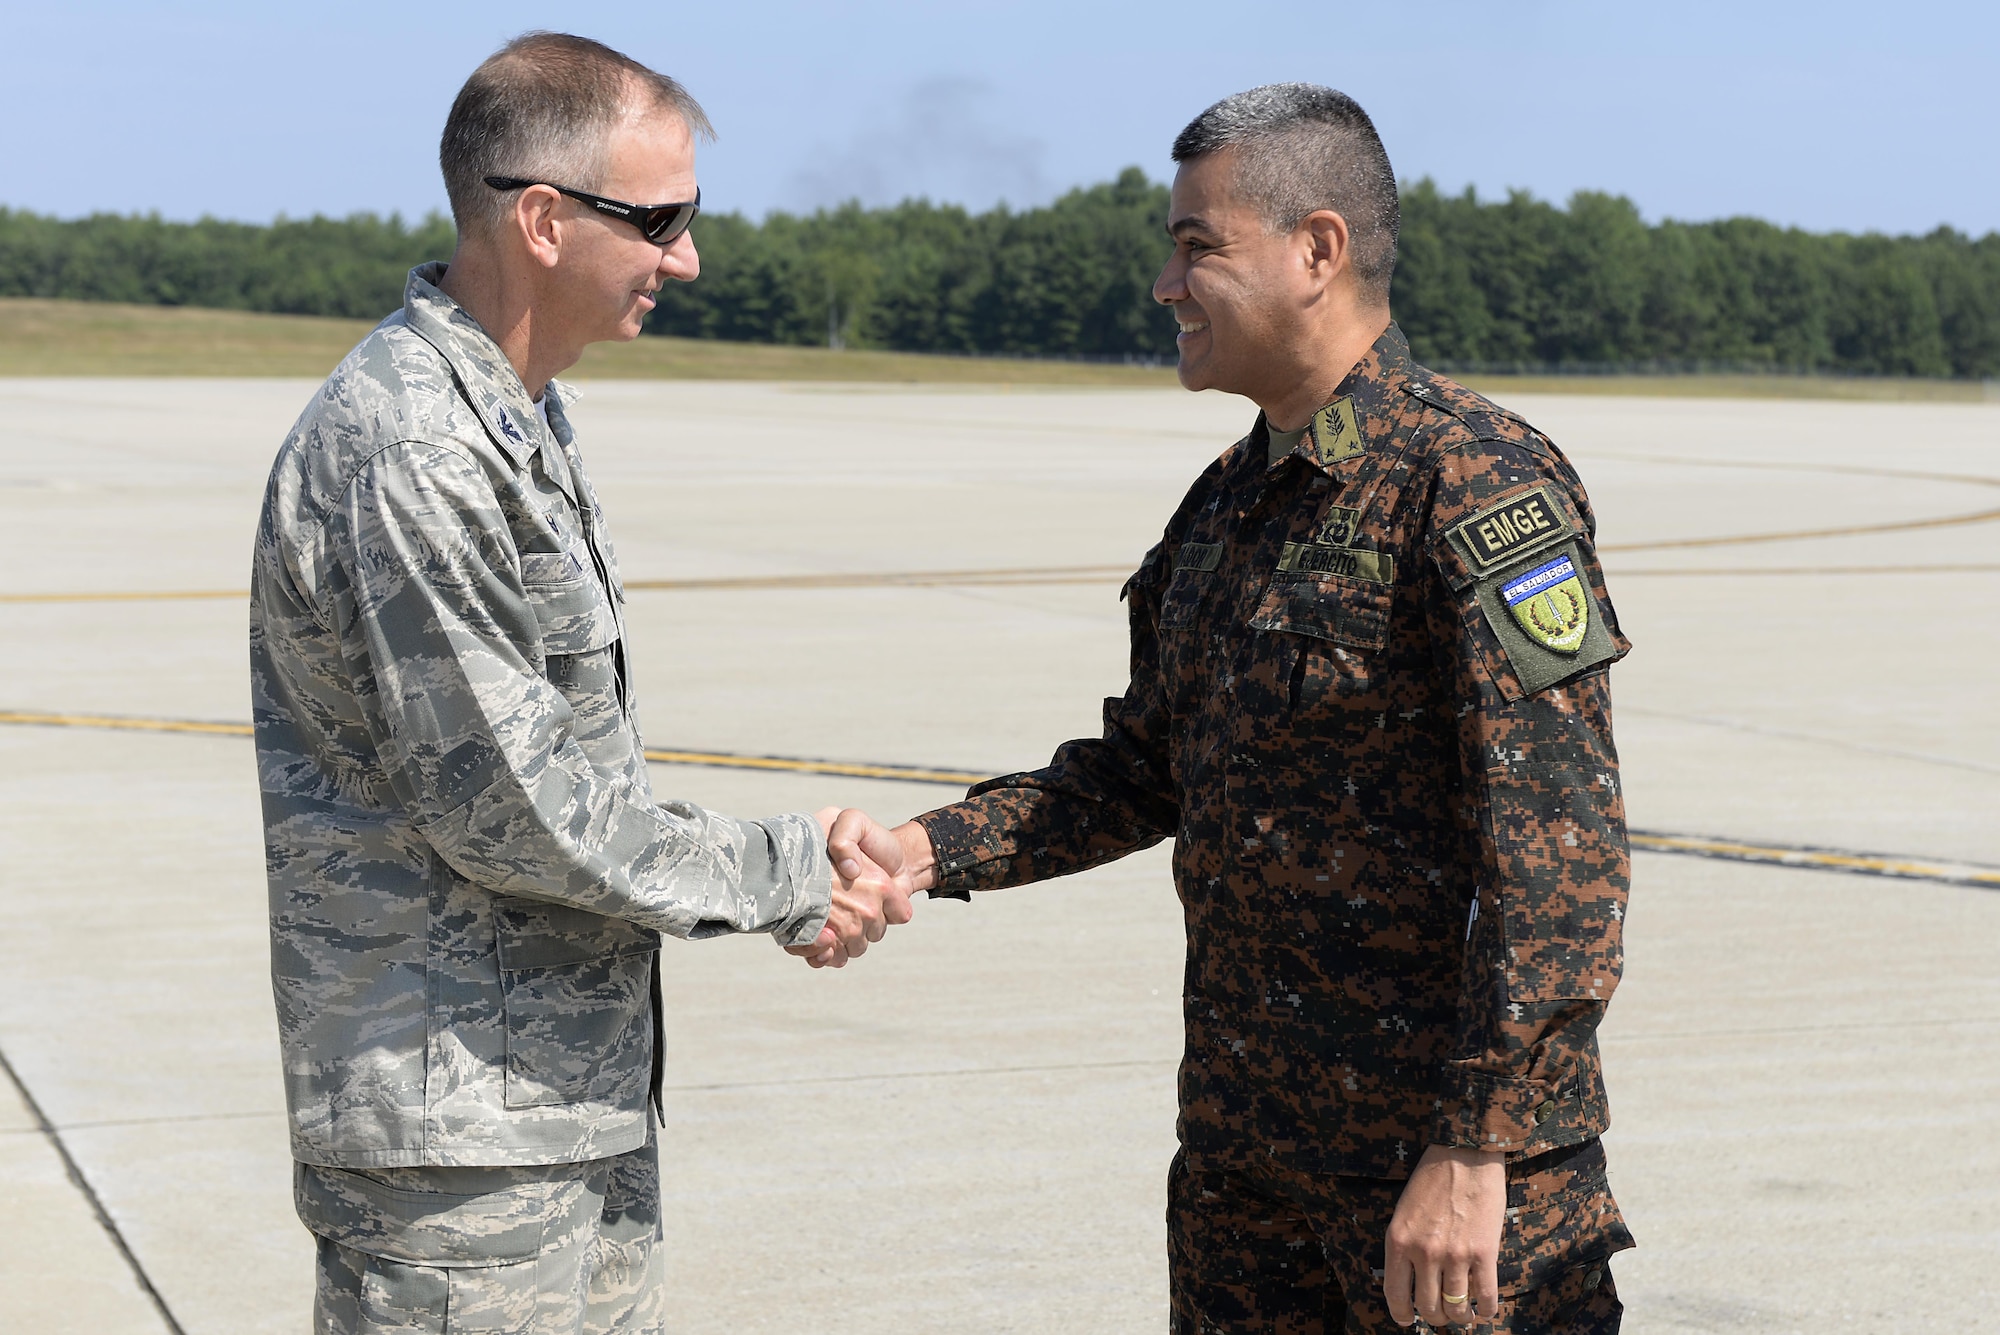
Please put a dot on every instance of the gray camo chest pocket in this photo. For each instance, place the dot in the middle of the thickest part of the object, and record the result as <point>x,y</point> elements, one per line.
<point>569,604</point>
<point>576,989</point>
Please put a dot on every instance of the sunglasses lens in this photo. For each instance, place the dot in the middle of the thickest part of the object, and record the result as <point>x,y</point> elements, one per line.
<point>665,225</point>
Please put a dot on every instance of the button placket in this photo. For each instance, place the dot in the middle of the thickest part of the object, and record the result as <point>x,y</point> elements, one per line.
<point>588,515</point>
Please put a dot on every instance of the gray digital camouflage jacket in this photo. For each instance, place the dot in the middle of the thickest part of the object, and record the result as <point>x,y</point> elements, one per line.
<point>468,871</point>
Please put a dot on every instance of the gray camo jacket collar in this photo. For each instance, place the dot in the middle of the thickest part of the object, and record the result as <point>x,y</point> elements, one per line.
<point>489,380</point>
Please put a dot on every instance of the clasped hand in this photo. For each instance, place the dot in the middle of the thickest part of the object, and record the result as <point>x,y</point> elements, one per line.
<point>871,888</point>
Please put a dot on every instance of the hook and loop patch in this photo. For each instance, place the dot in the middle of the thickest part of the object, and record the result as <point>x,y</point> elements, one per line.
<point>1550,604</point>
<point>1336,434</point>
<point>1501,534</point>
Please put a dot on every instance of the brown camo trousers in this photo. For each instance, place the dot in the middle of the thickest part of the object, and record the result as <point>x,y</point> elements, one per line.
<point>1279,1252</point>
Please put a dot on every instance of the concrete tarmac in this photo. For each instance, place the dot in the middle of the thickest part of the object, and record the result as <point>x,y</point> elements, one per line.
<point>969,1129</point>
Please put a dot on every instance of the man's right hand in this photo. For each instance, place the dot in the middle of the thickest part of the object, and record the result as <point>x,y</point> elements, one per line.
<point>875,871</point>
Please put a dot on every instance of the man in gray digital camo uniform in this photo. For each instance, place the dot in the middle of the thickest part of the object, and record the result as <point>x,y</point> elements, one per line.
<point>469,875</point>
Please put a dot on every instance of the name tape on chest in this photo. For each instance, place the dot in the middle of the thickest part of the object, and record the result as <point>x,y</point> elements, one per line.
<point>1336,435</point>
<point>1516,526</point>
<point>1312,558</point>
<point>1202,556</point>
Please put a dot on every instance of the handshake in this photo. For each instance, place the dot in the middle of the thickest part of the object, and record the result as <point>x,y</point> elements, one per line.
<point>875,871</point>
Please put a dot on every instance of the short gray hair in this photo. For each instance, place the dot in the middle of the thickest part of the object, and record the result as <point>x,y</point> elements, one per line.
<point>1301,148</point>
<point>543,107</point>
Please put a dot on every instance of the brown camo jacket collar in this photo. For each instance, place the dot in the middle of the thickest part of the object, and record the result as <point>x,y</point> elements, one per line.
<point>1375,383</point>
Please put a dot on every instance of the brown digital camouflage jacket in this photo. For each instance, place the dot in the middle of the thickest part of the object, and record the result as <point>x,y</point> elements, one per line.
<point>1369,699</point>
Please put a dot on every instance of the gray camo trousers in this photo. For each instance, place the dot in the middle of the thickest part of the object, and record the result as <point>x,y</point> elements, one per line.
<point>554,1249</point>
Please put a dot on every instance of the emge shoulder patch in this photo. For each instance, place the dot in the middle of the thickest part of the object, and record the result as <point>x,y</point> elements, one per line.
<point>1510,529</point>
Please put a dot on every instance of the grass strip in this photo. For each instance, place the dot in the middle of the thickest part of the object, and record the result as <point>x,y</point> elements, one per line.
<point>45,337</point>
<point>40,337</point>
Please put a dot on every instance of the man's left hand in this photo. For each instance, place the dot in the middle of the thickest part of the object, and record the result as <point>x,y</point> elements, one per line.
<point>1444,1241</point>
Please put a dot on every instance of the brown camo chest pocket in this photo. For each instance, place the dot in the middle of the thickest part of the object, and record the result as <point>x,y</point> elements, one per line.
<point>1336,608</point>
<point>1195,564</point>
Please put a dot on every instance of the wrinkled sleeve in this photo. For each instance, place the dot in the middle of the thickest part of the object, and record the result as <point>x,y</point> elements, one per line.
<point>1540,800</point>
<point>1098,799</point>
<point>424,590</point>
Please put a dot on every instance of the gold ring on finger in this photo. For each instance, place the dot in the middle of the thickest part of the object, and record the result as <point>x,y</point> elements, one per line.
<point>1450,1301</point>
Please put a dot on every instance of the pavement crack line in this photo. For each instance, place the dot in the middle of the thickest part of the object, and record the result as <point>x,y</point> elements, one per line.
<point>1896,1026</point>
<point>173,1119</point>
<point>1053,576</point>
<point>1802,466</point>
<point>1023,576</point>
<point>1801,535</point>
<point>923,1075</point>
<point>97,1207</point>
<point>1091,574</point>
<point>1799,857</point>
<point>1758,729</point>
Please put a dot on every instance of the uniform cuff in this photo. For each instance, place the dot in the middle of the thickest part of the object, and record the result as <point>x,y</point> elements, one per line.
<point>1486,1112</point>
<point>801,844</point>
<point>959,851</point>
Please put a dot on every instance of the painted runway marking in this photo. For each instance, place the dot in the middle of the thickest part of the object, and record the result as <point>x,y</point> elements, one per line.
<point>131,596</point>
<point>1802,857</point>
<point>1810,857</point>
<point>121,722</point>
<point>706,759</point>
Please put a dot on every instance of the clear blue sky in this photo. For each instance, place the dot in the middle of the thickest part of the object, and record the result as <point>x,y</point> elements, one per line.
<point>1829,116</point>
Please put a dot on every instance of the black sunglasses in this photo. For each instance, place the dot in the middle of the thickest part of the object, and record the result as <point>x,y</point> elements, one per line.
<point>661,223</point>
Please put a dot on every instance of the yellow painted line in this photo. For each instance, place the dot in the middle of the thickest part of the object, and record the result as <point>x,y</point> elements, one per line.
<point>711,759</point>
<point>120,722</point>
<point>1029,576</point>
<point>130,596</point>
<point>1732,850</point>
<point>1819,859</point>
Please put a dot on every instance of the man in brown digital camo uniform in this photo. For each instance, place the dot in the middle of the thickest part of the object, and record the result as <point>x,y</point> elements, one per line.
<point>1369,701</point>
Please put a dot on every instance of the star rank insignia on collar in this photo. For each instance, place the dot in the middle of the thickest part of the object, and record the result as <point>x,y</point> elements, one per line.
<point>1335,433</point>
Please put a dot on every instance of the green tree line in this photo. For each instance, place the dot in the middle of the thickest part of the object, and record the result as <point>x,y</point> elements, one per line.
<point>351,266</point>
<point>1519,282</point>
<point>1515,283</point>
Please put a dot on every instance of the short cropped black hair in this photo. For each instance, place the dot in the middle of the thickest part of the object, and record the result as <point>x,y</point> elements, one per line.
<point>543,107</point>
<point>1301,148</point>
